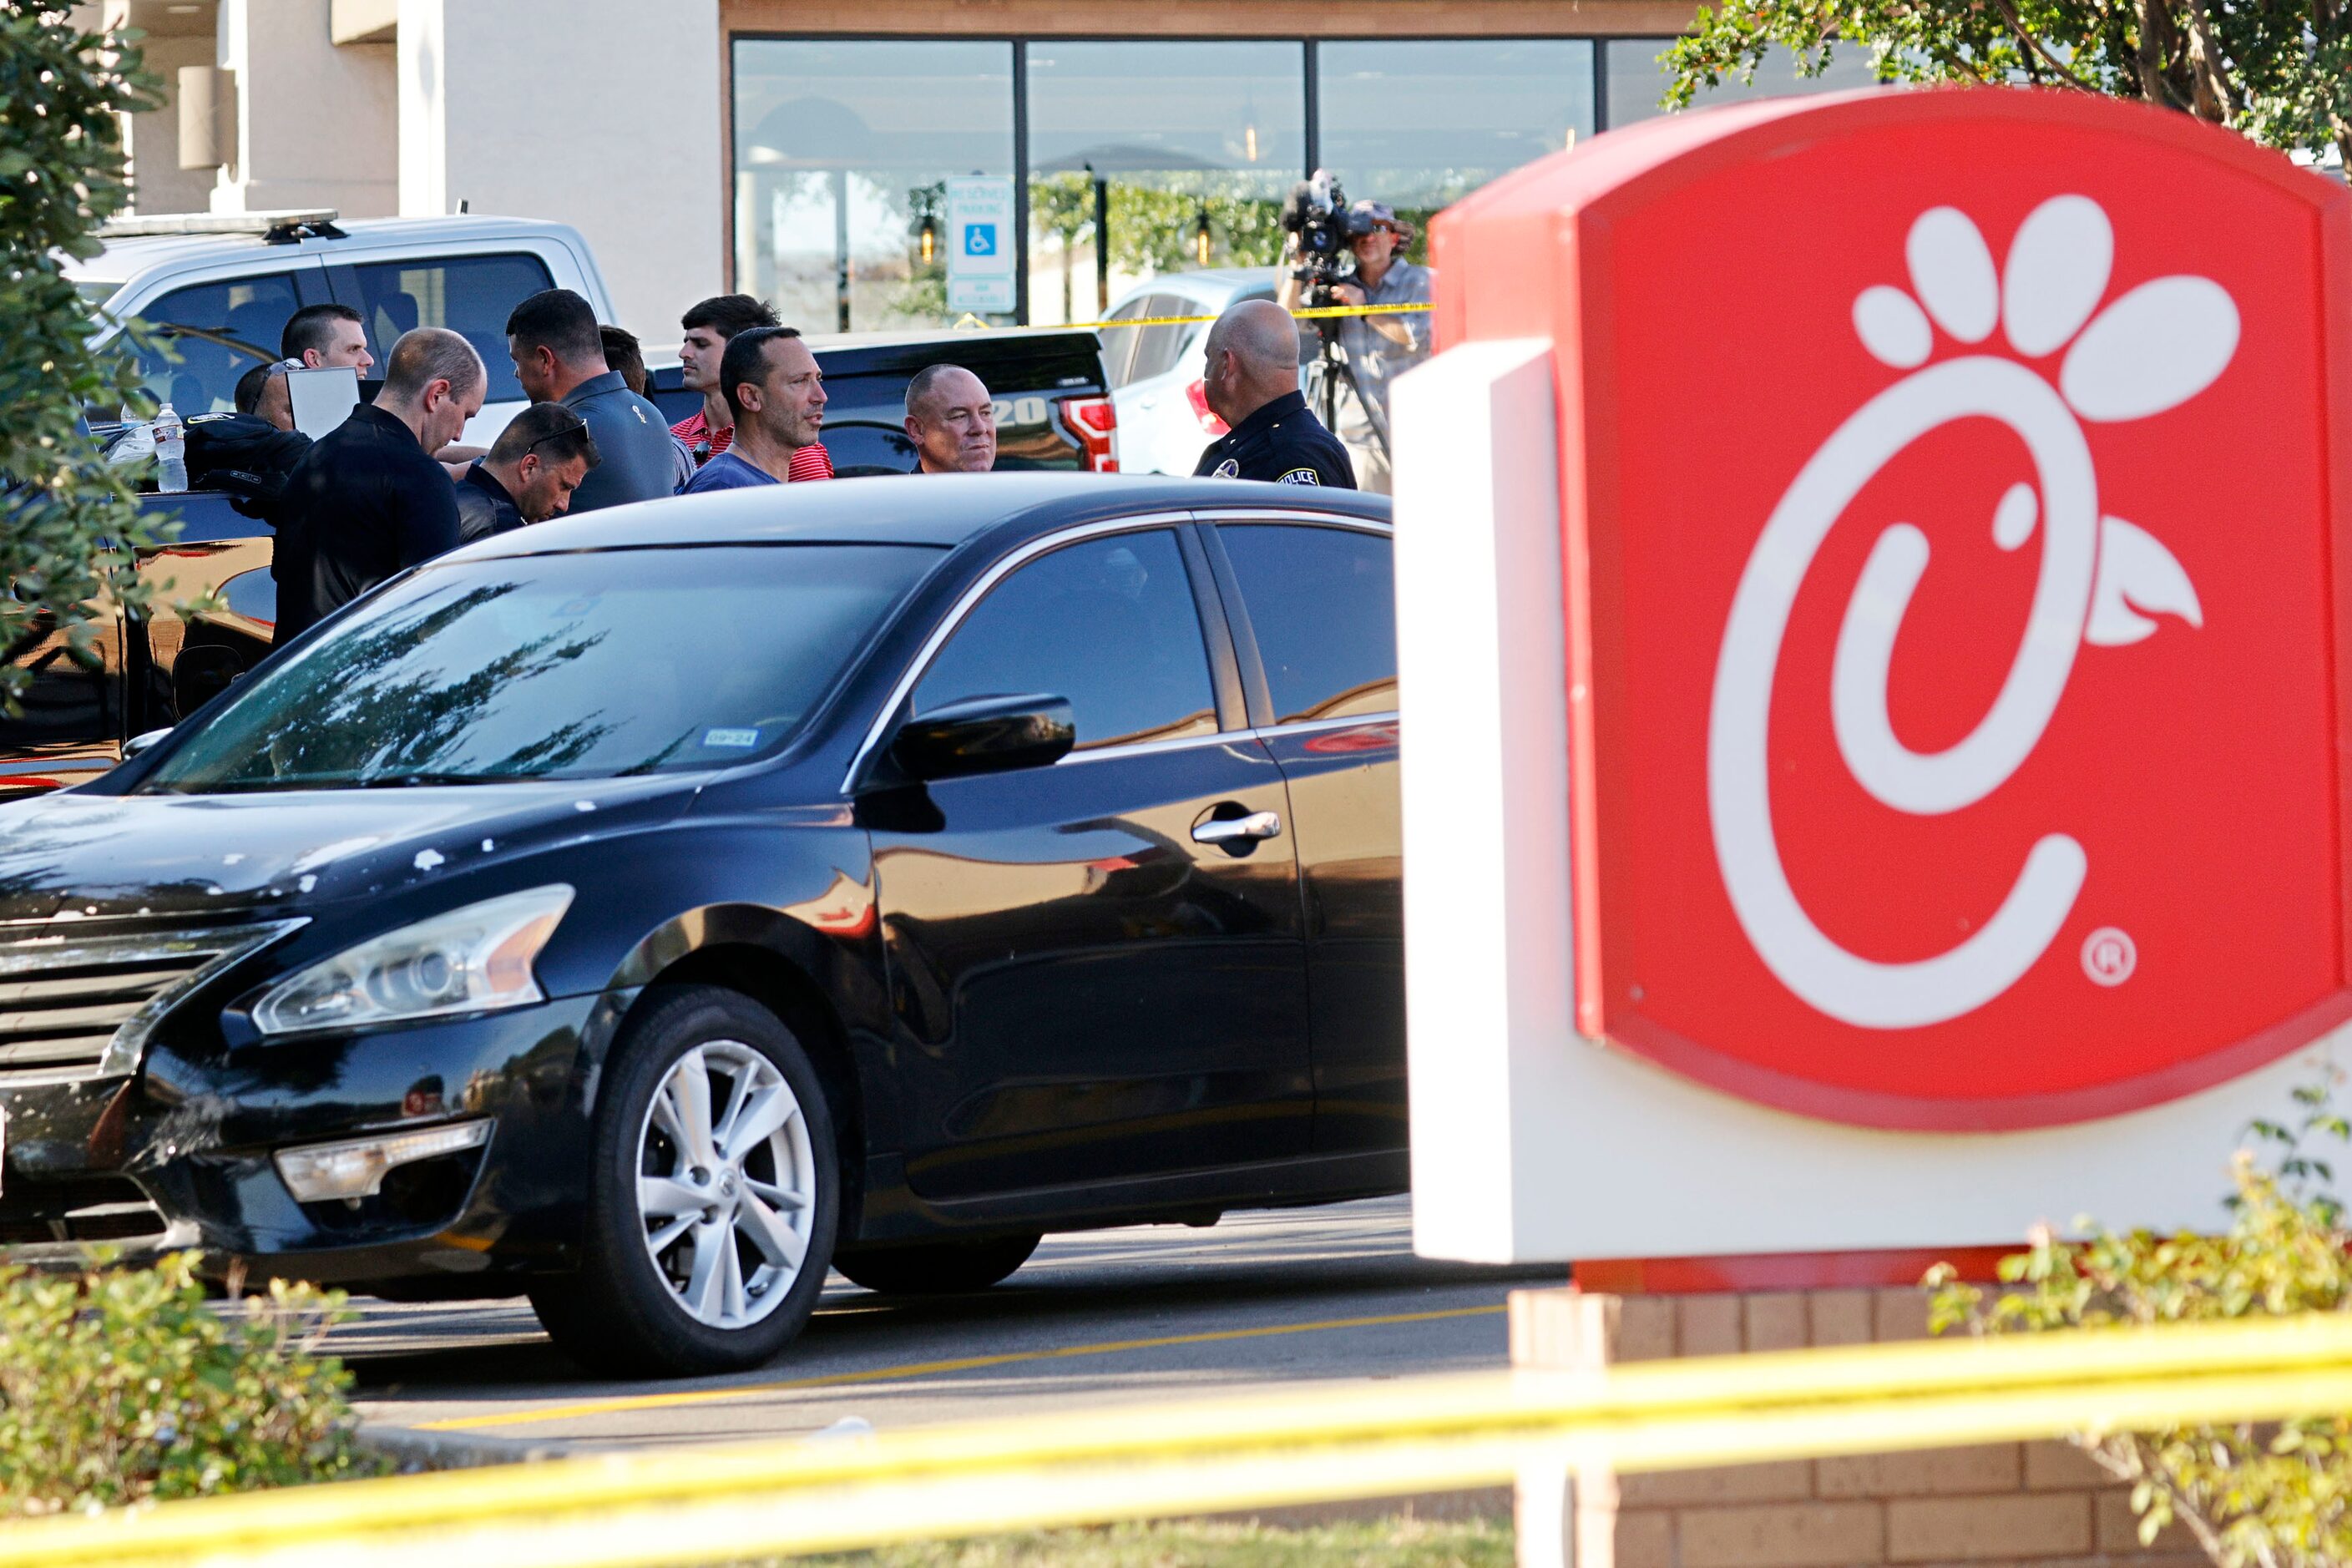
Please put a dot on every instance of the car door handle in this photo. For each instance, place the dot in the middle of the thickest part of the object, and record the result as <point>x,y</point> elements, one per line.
<point>1227,830</point>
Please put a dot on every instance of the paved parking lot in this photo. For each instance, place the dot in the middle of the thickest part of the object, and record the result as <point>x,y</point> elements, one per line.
<point>1103,1318</point>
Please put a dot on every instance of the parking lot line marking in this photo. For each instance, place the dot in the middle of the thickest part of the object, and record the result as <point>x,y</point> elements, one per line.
<point>929,1369</point>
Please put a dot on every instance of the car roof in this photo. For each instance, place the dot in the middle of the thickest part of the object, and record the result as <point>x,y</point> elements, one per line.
<point>941,511</point>
<point>1213,284</point>
<point>126,259</point>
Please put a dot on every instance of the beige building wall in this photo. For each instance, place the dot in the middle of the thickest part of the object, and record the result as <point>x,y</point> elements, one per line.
<point>316,122</point>
<point>158,184</point>
<point>603,114</point>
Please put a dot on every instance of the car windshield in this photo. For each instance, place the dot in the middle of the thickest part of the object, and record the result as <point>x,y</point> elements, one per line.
<point>593,665</point>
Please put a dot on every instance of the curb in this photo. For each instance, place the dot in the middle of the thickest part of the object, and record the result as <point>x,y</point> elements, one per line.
<point>1475,1502</point>
<point>414,1451</point>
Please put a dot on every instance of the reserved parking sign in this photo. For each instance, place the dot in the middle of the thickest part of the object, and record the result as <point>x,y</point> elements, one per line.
<point>980,244</point>
<point>1930,735</point>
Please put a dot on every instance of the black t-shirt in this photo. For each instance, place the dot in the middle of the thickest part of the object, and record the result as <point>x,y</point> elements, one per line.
<point>1282,442</point>
<point>365,504</point>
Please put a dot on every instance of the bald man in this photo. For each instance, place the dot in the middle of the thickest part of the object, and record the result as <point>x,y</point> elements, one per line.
<point>368,501</point>
<point>1251,384</point>
<point>952,420</point>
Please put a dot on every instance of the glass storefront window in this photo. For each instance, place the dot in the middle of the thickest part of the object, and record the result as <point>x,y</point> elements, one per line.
<point>842,150</point>
<point>1636,80</point>
<point>1419,123</point>
<point>1178,131</point>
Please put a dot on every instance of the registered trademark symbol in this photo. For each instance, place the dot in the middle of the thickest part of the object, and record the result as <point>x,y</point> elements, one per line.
<point>2108,956</point>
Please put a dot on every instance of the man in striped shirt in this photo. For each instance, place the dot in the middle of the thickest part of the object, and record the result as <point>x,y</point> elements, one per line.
<point>710,327</point>
<point>776,393</point>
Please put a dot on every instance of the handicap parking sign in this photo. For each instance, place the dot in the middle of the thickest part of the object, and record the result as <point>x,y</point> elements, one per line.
<point>979,240</point>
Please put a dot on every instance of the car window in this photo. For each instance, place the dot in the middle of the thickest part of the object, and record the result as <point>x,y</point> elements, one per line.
<point>1109,624</point>
<point>1156,348</point>
<point>470,295</point>
<point>553,667</point>
<point>1119,342</point>
<point>218,332</point>
<point>63,703</point>
<point>1322,602</point>
<point>253,594</point>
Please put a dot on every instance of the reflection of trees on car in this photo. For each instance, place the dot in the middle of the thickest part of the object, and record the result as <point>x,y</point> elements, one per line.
<point>354,713</point>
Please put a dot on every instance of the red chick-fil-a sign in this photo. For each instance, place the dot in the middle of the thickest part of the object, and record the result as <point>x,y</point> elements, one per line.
<point>1948,508</point>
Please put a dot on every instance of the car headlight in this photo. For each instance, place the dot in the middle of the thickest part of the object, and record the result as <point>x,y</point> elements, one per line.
<point>472,960</point>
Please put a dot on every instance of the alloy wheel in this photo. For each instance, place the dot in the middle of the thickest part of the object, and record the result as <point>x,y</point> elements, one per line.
<point>726,1184</point>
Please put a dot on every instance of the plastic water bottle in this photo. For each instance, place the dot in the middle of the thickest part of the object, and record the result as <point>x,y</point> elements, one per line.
<point>171,452</point>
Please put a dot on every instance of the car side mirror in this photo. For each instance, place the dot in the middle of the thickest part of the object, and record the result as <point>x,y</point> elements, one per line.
<point>140,742</point>
<point>984,735</point>
<point>201,674</point>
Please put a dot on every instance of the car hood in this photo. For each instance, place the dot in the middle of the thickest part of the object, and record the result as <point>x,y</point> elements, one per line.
<point>71,854</point>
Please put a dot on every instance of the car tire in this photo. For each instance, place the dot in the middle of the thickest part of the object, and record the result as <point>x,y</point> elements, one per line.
<point>938,1269</point>
<point>708,1234</point>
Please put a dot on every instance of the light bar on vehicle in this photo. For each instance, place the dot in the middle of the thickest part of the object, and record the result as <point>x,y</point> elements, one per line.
<point>217,223</point>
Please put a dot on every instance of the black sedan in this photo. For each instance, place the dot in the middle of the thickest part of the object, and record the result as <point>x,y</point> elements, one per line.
<point>645,911</point>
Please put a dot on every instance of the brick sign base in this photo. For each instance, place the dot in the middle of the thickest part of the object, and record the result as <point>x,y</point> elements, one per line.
<point>2018,1503</point>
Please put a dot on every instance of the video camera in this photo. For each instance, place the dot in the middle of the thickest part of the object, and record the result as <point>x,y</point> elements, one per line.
<point>1318,214</point>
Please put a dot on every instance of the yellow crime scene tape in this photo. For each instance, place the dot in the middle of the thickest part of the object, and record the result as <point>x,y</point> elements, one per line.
<point>1317,313</point>
<point>715,1505</point>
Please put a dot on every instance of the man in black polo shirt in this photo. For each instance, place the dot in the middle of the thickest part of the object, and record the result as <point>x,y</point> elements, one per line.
<point>369,501</point>
<point>529,473</point>
<point>559,357</point>
<point>1250,381</point>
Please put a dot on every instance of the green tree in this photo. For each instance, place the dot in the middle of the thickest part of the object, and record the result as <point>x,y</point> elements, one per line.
<point>1155,228</point>
<point>1064,207</point>
<point>68,526</point>
<point>2280,71</point>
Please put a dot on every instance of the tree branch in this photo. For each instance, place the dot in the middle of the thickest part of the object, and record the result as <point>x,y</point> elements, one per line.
<point>2217,101</point>
<point>2149,49</point>
<point>2034,45</point>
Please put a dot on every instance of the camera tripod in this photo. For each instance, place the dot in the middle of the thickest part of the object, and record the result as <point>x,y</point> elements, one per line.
<point>1329,370</point>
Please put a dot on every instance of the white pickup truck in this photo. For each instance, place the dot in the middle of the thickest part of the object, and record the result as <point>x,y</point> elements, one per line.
<point>220,287</point>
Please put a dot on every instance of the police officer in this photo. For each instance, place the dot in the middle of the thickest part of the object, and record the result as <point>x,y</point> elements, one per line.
<point>1251,384</point>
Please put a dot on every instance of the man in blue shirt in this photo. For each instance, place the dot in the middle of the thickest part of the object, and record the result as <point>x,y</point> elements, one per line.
<point>559,357</point>
<point>772,382</point>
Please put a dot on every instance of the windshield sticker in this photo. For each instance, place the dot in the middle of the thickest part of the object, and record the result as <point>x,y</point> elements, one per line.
<point>737,739</point>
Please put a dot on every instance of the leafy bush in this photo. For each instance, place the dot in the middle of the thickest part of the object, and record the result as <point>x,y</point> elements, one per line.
<point>123,1384</point>
<point>2277,1495</point>
<point>68,525</point>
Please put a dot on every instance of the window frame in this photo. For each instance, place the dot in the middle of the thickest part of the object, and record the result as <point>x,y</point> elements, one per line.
<point>1019,39</point>
<point>342,280</point>
<point>1210,602</point>
<point>306,273</point>
<point>1257,694</point>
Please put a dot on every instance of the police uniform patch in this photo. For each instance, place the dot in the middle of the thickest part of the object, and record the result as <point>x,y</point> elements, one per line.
<point>1226,469</point>
<point>1300,477</point>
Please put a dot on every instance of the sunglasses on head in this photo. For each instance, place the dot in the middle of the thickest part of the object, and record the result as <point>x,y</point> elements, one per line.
<point>573,428</point>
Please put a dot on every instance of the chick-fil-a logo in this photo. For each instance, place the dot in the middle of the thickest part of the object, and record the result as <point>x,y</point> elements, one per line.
<point>2153,349</point>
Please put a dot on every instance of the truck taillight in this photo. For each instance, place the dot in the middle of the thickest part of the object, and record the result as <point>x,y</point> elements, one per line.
<point>1198,395</point>
<point>1096,420</point>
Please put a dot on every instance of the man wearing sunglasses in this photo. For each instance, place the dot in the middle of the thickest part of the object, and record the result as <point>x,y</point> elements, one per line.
<point>528,475</point>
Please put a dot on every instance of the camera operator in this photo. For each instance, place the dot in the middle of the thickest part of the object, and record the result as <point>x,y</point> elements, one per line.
<point>1379,348</point>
